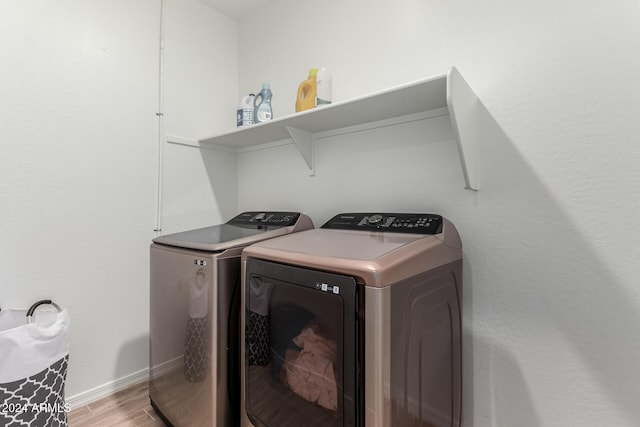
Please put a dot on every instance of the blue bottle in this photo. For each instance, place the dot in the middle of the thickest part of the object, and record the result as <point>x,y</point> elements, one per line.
<point>262,111</point>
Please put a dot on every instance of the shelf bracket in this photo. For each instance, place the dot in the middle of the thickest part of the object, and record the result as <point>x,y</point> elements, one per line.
<point>305,143</point>
<point>463,110</point>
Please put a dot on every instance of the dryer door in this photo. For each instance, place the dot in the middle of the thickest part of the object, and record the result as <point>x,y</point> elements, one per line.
<point>301,346</point>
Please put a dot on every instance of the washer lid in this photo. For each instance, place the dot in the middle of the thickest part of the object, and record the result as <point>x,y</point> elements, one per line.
<point>242,230</point>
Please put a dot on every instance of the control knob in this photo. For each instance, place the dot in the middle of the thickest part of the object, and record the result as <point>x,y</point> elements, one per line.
<point>374,219</point>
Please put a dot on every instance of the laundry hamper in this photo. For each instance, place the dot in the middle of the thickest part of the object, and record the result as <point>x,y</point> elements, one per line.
<point>34,352</point>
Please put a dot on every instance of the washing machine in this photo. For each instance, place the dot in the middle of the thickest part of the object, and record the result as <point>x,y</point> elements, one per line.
<point>194,316</point>
<point>357,323</point>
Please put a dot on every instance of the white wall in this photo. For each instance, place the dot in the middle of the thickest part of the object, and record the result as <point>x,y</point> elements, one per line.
<point>200,87</point>
<point>79,87</point>
<point>551,299</point>
<point>79,150</point>
<point>551,283</point>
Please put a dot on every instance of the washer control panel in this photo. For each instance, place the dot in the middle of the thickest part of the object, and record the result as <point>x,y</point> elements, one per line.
<point>414,223</point>
<point>264,219</point>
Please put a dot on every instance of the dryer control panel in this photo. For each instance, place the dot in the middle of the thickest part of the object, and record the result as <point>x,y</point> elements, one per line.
<point>414,223</point>
<point>263,219</point>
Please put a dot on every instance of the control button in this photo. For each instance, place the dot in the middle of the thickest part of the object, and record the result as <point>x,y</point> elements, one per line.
<point>375,219</point>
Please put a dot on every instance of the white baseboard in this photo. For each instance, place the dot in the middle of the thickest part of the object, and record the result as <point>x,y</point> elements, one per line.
<point>164,367</point>
<point>107,389</point>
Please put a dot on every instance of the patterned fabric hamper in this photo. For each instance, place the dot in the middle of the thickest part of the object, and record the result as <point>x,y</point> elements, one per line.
<point>34,353</point>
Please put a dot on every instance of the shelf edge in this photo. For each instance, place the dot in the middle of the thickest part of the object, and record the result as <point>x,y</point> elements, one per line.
<point>463,110</point>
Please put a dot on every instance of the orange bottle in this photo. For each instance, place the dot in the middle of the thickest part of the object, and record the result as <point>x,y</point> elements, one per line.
<point>307,92</point>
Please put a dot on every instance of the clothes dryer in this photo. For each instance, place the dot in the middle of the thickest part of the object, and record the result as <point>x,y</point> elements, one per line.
<point>357,323</point>
<point>194,316</point>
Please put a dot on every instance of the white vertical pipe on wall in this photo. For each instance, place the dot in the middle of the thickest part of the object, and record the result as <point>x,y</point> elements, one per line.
<point>160,114</point>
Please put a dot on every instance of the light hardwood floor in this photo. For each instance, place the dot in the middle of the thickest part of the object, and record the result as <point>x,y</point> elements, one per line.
<point>128,407</point>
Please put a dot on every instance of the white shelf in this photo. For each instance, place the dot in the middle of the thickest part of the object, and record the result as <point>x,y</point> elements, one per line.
<point>449,93</point>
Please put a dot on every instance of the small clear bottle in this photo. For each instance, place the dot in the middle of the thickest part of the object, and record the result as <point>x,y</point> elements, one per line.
<point>324,87</point>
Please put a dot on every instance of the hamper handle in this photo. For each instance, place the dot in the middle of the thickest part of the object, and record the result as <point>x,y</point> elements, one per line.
<point>32,309</point>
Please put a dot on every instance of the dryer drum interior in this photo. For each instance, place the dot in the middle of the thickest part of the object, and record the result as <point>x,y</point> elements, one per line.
<point>301,346</point>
